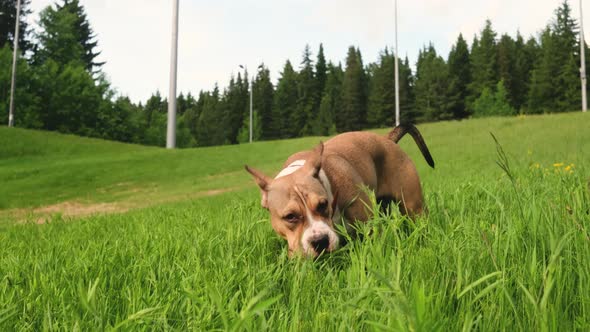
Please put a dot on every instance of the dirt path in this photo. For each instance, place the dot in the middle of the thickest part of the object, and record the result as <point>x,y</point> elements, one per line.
<point>76,209</point>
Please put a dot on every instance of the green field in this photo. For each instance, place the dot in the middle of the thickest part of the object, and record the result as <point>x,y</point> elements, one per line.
<point>506,245</point>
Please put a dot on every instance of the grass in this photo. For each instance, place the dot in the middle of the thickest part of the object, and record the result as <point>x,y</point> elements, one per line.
<point>506,245</point>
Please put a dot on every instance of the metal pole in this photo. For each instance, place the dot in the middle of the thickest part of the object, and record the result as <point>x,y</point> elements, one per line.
<point>583,61</point>
<point>251,90</point>
<point>171,132</point>
<point>397,120</point>
<point>14,58</point>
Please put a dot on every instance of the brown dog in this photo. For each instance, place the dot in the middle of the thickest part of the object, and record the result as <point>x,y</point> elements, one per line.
<point>315,187</point>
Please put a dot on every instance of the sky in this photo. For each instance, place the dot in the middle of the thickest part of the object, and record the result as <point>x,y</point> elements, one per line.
<point>215,37</point>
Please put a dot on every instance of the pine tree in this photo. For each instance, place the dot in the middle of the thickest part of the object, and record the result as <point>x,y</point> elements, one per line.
<point>331,101</point>
<point>555,79</point>
<point>506,62</point>
<point>492,103</point>
<point>211,121</point>
<point>352,115</point>
<point>303,118</point>
<point>381,108</point>
<point>524,60</point>
<point>484,63</point>
<point>285,104</point>
<point>460,78</point>
<point>263,102</point>
<point>84,33</point>
<point>321,73</point>
<point>542,94</point>
<point>566,32</point>
<point>432,102</point>
<point>58,40</point>
<point>407,99</point>
<point>8,23</point>
<point>66,36</point>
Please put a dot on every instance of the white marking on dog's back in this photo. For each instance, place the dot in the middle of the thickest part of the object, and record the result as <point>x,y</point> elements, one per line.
<point>297,164</point>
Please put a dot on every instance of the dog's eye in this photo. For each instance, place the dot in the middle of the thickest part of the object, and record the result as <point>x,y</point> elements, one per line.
<point>291,218</point>
<point>322,206</point>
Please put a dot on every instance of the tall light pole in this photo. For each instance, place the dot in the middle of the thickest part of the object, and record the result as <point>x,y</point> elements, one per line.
<point>583,61</point>
<point>251,98</point>
<point>171,132</point>
<point>14,58</point>
<point>397,120</point>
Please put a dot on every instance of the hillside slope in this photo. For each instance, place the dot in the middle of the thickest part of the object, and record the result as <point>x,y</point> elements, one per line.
<point>42,168</point>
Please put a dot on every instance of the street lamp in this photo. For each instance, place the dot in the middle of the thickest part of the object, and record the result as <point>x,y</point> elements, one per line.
<point>14,58</point>
<point>582,61</point>
<point>171,127</point>
<point>251,91</point>
<point>397,116</point>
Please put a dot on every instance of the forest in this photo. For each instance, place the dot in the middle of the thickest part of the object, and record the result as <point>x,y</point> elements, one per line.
<point>61,86</point>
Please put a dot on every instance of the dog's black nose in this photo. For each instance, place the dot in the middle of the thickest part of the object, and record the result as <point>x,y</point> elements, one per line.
<point>320,243</point>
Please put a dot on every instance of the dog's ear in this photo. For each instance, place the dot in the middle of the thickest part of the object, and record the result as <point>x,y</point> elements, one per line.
<point>315,161</point>
<point>262,181</point>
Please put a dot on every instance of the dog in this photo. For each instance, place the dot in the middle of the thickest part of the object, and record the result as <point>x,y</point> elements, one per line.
<point>320,188</point>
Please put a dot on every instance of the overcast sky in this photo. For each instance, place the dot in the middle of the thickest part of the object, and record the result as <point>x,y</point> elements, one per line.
<point>215,37</point>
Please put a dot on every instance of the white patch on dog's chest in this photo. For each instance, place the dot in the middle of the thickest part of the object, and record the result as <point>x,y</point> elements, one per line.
<point>297,164</point>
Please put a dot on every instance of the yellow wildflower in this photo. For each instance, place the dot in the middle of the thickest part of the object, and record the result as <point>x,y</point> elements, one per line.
<point>558,165</point>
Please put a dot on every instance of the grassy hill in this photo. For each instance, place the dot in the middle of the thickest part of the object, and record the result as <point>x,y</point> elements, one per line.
<point>42,168</point>
<point>498,251</point>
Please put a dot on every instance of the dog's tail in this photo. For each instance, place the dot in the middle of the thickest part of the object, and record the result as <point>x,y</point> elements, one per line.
<point>398,132</point>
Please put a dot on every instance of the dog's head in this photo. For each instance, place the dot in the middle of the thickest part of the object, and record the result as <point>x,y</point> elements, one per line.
<point>301,205</point>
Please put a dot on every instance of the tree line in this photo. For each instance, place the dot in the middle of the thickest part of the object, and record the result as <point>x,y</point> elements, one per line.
<point>61,86</point>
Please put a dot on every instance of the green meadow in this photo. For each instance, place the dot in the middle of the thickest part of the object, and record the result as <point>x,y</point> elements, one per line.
<point>176,240</point>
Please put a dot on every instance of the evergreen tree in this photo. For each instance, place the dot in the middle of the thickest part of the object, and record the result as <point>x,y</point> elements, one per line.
<point>331,101</point>
<point>84,34</point>
<point>432,102</point>
<point>321,73</point>
<point>460,78</point>
<point>381,108</point>
<point>352,115</point>
<point>483,62</point>
<point>155,104</point>
<point>568,80</point>
<point>555,79</point>
<point>263,102</point>
<point>58,40</point>
<point>235,105</point>
<point>542,93</point>
<point>303,118</point>
<point>66,36</point>
<point>191,117</point>
<point>493,103</point>
<point>285,104</point>
<point>524,60</point>
<point>210,125</point>
<point>72,101</point>
<point>406,93</point>
<point>8,23</point>
<point>116,120</point>
<point>506,62</point>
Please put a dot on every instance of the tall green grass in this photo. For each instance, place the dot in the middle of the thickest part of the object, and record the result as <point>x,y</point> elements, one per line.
<point>506,246</point>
